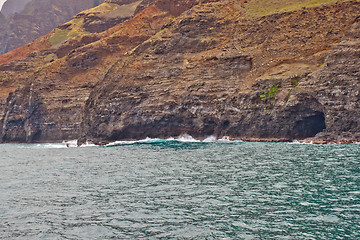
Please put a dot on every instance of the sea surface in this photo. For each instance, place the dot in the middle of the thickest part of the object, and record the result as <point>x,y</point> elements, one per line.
<point>180,190</point>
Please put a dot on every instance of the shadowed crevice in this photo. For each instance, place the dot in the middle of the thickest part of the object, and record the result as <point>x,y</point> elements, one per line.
<point>310,126</point>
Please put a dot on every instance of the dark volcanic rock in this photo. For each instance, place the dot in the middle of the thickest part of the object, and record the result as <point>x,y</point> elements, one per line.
<point>337,87</point>
<point>192,67</point>
<point>23,119</point>
<point>62,82</point>
<point>183,82</point>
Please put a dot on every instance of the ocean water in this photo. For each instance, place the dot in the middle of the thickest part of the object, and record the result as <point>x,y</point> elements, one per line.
<point>180,190</point>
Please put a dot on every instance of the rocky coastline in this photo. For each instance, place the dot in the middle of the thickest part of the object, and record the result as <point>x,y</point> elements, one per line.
<point>203,68</point>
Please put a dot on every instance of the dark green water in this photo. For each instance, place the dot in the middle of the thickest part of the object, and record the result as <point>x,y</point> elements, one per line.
<point>178,190</point>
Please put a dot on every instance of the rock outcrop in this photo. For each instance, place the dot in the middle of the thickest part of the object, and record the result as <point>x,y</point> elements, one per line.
<point>189,67</point>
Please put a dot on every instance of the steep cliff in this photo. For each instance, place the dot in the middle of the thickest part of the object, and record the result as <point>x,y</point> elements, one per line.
<point>61,79</point>
<point>250,69</point>
<point>337,86</point>
<point>214,72</point>
<point>38,18</point>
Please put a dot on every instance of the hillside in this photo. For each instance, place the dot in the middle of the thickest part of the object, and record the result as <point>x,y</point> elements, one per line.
<point>13,6</point>
<point>35,19</point>
<point>255,70</point>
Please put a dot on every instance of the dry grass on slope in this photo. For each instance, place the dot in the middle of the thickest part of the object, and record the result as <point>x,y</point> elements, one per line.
<point>258,8</point>
<point>75,28</point>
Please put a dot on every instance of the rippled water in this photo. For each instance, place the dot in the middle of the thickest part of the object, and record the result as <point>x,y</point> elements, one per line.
<point>176,190</point>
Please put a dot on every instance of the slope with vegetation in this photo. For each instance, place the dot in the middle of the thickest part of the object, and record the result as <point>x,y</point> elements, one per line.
<point>36,18</point>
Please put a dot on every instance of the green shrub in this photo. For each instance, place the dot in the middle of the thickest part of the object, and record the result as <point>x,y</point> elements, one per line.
<point>270,94</point>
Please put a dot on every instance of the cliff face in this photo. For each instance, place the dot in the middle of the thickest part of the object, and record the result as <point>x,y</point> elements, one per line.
<point>252,83</point>
<point>196,67</point>
<point>38,18</point>
<point>61,79</point>
<point>337,87</point>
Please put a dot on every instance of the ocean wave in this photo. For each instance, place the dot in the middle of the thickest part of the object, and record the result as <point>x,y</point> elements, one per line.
<point>64,144</point>
<point>299,142</point>
<point>185,138</point>
<point>180,139</point>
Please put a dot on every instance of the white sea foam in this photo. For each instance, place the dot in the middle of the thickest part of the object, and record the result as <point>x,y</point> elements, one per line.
<point>150,140</point>
<point>64,144</point>
<point>210,139</point>
<point>146,140</point>
<point>297,142</point>
<point>186,138</point>
<point>120,143</point>
<point>87,144</point>
<point>182,138</point>
<point>71,143</point>
<point>51,145</point>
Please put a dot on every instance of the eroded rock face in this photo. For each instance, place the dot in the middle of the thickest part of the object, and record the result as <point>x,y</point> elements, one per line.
<point>63,80</point>
<point>201,68</point>
<point>337,86</point>
<point>196,80</point>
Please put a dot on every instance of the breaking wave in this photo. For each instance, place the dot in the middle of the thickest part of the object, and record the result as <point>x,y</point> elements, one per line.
<point>180,139</point>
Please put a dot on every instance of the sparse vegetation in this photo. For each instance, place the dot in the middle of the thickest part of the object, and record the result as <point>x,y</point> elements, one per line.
<point>295,81</point>
<point>270,94</point>
<point>111,10</point>
<point>258,8</point>
<point>59,36</point>
<point>294,84</point>
<point>75,30</point>
<point>208,39</point>
<point>76,26</point>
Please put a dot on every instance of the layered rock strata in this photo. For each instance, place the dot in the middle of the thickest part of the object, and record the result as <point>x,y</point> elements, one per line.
<point>192,67</point>
<point>210,74</point>
<point>62,81</point>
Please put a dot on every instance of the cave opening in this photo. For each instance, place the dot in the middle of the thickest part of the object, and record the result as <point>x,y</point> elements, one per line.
<point>310,126</point>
